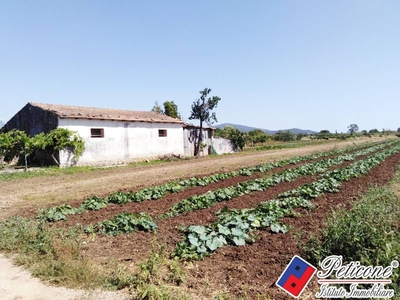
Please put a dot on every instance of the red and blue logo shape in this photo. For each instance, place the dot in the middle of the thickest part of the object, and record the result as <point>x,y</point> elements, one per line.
<point>296,276</point>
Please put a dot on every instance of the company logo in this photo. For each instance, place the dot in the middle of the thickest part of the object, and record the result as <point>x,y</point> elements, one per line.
<point>354,274</point>
<point>296,276</point>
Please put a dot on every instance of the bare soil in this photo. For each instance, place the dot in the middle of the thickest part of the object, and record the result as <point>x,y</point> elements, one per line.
<point>249,270</point>
<point>18,195</point>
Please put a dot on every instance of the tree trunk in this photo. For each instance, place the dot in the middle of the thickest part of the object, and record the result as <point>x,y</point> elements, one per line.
<point>55,159</point>
<point>199,141</point>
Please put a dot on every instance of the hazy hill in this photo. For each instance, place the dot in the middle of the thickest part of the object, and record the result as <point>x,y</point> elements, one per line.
<point>267,131</point>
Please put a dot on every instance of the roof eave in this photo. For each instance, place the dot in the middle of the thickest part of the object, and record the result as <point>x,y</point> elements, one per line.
<point>120,119</point>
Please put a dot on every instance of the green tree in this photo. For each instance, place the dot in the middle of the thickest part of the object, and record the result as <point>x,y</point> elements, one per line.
<point>219,132</point>
<point>300,135</point>
<point>157,108</point>
<point>202,111</point>
<point>323,135</point>
<point>353,128</point>
<point>257,136</point>
<point>374,131</point>
<point>13,143</point>
<point>398,129</point>
<point>171,109</point>
<point>238,139</point>
<point>284,136</point>
<point>224,132</point>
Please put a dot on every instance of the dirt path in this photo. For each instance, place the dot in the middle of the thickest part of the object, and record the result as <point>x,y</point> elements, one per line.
<point>18,284</point>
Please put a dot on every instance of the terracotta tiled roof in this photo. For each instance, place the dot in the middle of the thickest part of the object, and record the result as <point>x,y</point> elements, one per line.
<point>78,112</point>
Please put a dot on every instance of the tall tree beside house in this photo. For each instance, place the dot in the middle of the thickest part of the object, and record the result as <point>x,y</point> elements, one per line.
<point>201,110</point>
<point>171,110</point>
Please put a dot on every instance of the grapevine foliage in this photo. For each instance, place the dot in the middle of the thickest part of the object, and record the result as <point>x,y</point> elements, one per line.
<point>15,142</point>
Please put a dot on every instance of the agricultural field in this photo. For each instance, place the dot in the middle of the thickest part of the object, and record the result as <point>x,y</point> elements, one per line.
<point>225,229</point>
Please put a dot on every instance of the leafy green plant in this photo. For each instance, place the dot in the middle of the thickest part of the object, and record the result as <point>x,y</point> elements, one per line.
<point>94,203</point>
<point>13,144</point>
<point>124,223</point>
<point>62,138</point>
<point>56,213</point>
<point>17,142</point>
<point>235,227</point>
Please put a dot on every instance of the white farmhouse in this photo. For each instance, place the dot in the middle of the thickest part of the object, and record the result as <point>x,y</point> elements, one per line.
<point>111,136</point>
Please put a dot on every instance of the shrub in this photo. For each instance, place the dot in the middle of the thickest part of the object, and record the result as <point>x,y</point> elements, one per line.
<point>368,233</point>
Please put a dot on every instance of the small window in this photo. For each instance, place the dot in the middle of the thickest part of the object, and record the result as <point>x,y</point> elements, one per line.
<point>97,132</point>
<point>162,132</point>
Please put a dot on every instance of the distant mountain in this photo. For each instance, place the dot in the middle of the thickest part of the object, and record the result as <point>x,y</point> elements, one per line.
<point>298,130</point>
<point>267,131</point>
<point>243,128</point>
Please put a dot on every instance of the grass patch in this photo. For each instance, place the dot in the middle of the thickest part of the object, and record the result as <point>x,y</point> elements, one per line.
<point>52,254</point>
<point>368,233</point>
<point>157,277</point>
<point>279,145</point>
<point>57,256</point>
<point>46,171</point>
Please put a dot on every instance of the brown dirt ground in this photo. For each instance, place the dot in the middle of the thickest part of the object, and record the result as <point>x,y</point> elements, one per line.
<point>31,193</point>
<point>250,270</point>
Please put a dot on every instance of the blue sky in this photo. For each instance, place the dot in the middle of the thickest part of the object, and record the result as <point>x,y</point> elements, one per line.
<point>275,64</point>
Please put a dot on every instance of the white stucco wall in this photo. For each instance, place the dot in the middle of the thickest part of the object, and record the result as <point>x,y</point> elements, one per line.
<point>190,138</point>
<point>123,141</point>
<point>222,145</point>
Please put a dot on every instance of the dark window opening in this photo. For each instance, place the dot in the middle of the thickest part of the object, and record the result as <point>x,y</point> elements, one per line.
<point>162,132</point>
<point>97,132</point>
